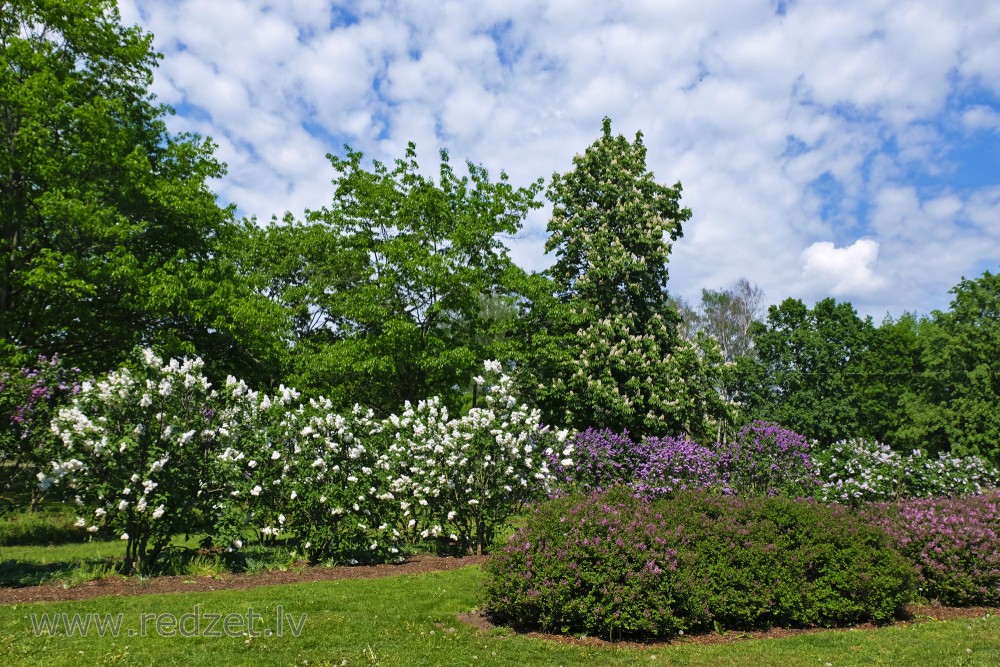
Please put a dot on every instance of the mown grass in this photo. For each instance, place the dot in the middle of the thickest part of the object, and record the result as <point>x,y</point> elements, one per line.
<point>76,563</point>
<point>412,620</point>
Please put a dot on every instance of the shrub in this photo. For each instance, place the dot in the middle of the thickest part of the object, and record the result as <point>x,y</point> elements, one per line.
<point>470,474</point>
<point>766,459</point>
<point>676,464</point>
<point>29,398</point>
<point>603,459</point>
<point>947,475</point>
<point>859,471</point>
<point>614,565</point>
<point>954,544</point>
<point>134,453</point>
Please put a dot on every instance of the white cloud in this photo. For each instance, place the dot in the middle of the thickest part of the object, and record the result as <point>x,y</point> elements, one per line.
<point>749,109</point>
<point>845,272</point>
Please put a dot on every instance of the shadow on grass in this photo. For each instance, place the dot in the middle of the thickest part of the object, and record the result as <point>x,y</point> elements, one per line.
<point>16,573</point>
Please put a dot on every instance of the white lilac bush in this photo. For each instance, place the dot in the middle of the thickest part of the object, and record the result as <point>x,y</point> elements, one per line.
<point>154,451</point>
<point>338,500</point>
<point>135,452</point>
<point>860,471</point>
<point>857,470</point>
<point>256,434</point>
<point>469,474</point>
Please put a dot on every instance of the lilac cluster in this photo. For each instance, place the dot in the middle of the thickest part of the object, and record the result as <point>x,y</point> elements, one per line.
<point>954,544</point>
<point>654,467</point>
<point>676,464</point>
<point>602,459</point>
<point>764,459</point>
<point>769,460</point>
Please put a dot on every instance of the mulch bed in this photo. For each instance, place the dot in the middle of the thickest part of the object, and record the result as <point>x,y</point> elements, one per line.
<point>54,592</point>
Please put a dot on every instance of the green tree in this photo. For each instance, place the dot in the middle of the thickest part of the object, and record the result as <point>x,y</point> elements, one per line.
<point>955,406</point>
<point>395,285</point>
<point>807,369</point>
<point>109,235</point>
<point>603,347</point>
<point>887,379</point>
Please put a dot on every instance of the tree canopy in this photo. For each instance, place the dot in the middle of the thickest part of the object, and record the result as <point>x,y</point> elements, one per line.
<point>603,348</point>
<point>395,287</point>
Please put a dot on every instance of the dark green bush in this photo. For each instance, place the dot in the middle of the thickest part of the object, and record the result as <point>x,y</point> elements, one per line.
<point>614,566</point>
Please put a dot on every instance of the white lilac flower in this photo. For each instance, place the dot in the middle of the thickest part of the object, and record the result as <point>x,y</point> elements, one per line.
<point>255,491</point>
<point>124,536</point>
<point>275,456</point>
<point>80,522</point>
<point>158,512</point>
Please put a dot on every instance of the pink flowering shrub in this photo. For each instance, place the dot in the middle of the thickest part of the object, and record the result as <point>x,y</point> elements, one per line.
<point>954,544</point>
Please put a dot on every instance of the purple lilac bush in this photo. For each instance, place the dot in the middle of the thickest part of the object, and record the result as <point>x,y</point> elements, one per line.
<point>954,544</point>
<point>603,459</point>
<point>676,464</point>
<point>766,459</point>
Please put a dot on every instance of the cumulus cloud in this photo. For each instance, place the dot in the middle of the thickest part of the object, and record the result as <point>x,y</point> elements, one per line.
<point>824,120</point>
<point>844,272</point>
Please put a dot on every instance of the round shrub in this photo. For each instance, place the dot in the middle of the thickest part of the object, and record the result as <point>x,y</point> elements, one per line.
<point>953,543</point>
<point>613,565</point>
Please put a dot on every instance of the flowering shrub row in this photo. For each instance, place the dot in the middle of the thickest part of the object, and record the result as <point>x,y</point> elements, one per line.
<point>766,459</point>
<point>954,544</point>
<point>857,471</point>
<point>615,565</point>
<point>144,452</point>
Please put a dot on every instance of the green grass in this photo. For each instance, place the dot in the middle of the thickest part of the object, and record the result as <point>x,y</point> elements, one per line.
<point>411,620</point>
<point>76,563</point>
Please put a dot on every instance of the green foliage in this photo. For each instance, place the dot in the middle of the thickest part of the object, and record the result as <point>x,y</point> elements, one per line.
<point>109,235</point>
<point>391,287</point>
<point>807,369</point>
<point>612,565</point>
<point>954,399</point>
<point>602,346</point>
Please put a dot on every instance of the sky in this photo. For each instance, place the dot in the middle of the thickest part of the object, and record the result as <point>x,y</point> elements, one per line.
<point>827,148</point>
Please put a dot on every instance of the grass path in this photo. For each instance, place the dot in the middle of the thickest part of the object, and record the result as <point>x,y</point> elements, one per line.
<point>411,620</point>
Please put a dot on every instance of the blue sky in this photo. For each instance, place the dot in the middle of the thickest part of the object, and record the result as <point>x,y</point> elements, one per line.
<point>845,148</point>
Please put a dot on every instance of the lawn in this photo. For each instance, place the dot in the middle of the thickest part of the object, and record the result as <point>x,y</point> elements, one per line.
<point>412,620</point>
